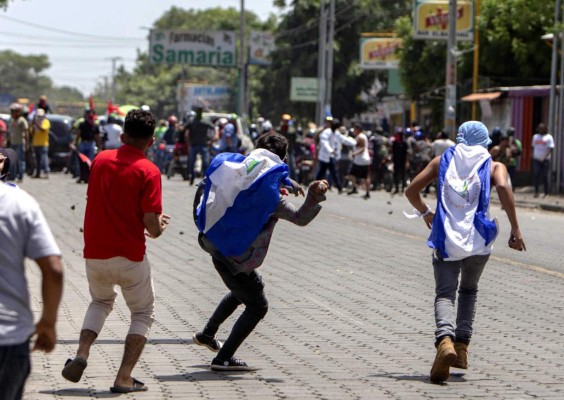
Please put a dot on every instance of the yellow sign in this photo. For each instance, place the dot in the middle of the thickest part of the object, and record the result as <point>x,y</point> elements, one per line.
<point>379,53</point>
<point>431,20</point>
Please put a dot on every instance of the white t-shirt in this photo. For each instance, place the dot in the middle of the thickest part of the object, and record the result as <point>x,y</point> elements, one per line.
<point>364,157</point>
<point>541,144</point>
<point>439,146</point>
<point>23,233</point>
<point>327,145</point>
<point>114,132</point>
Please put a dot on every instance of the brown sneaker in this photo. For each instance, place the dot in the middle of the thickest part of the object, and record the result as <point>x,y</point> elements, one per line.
<point>461,355</point>
<point>445,358</point>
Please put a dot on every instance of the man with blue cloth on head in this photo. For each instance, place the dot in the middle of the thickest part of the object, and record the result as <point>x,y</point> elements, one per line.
<point>462,236</point>
<point>241,202</point>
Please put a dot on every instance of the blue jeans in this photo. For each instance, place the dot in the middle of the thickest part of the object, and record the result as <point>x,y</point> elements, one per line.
<point>41,160</point>
<point>14,370</point>
<point>88,148</point>
<point>244,289</point>
<point>20,166</point>
<point>541,174</point>
<point>204,152</point>
<point>332,167</point>
<point>446,282</point>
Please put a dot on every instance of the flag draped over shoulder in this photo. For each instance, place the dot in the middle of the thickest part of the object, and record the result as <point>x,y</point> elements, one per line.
<point>461,226</point>
<point>240,195</point>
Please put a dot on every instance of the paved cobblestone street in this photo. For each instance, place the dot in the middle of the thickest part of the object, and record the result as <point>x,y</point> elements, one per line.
<point>351,309</point>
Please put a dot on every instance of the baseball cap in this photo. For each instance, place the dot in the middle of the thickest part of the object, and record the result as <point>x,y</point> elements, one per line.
<point>286,117</point>
<point>15,107</point>
<point>40,112</point>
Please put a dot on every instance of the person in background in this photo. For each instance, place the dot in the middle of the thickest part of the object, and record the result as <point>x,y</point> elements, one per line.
<point>328,151</point>
<point>288,130</point>
<point>462,236</point>
<point>40,140</point>
<point>360,170</point>
<point>441,144</point>
<point>18,138</point>
<point>543,145</point>
<point>516,150</point>
<point>113,132</point>
<point>24,233</point>
<point>89,134</point>
<point>400,151</point>
<point>198,132</point>
<point>43,105</point>
<point>228,141</point>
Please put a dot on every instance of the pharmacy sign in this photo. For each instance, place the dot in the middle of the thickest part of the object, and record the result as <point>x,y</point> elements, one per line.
<point>205,48</point>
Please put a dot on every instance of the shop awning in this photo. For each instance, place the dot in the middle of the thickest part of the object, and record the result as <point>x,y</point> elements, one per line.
<point>481,96</point>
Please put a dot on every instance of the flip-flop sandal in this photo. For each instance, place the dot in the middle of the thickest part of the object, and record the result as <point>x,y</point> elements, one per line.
<point>138,386</point>
<point>74,368</point>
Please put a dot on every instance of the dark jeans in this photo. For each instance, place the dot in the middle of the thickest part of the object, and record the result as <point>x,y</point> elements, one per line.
<point>399,176</point>
<point>323,167</point>
<point>541,173</point>
<point>14,370</point>
<point>244,289</point>
<point>204,152</point>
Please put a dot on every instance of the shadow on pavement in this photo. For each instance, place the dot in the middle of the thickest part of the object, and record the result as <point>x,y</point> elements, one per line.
<point>206,376</point>
<point>454,377</point>
<point>120,341</point>
<point>81,393</point>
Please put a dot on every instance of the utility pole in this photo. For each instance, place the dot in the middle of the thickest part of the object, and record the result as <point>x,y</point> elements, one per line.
<point>450,81</point>
<point>559,136</point>
<point>329,86</point>
<point>476,66</point>
<point>114,60</point>
<point>242,64</point>
<point>553,66</point>
<point>321,64</point>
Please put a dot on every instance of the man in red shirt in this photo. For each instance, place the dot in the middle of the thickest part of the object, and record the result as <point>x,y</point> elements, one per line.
<point>124,198</point>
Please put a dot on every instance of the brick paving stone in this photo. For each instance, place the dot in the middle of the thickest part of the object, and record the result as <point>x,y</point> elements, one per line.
<point>350,312</point>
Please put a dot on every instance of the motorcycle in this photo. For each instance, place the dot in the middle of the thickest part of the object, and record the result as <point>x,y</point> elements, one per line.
<point>179,161</point>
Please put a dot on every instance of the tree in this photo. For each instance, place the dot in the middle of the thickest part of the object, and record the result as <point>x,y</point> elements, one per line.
<point>22,76</point>
<point>297,54</point>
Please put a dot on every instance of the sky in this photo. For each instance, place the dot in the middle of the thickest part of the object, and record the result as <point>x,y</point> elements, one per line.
<point>81,37</point>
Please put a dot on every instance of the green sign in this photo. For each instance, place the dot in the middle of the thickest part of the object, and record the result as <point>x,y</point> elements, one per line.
<point>304,89</point>
<point>209,48</point>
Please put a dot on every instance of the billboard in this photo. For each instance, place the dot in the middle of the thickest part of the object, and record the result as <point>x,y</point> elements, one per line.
<point>209,97</point>
<point>261,44</point>
<point>430,20</point>
<point>207,48</point>
<point>304,89</point>
<point>379,53</point>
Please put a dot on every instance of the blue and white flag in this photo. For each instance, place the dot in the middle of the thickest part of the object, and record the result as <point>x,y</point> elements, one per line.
<point>240,195</point>
<point>461,226</point>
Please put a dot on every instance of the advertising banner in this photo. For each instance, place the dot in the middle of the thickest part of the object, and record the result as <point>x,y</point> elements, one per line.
<point>379,53</point>
<point>261,44</point>
<point>304,89</point>
<point>209,97</point>
<point>430,20</point>
<point>209,48</point>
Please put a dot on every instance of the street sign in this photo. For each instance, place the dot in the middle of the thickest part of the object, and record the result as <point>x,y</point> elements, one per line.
<point>209,97</point>
<point>430,20</point>
<point>261,44</point>
<point>209,48</point>
<point>304,89</point>
<point>379,53</point>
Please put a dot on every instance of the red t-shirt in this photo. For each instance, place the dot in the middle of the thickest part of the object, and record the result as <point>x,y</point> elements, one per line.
<point>123,185</point>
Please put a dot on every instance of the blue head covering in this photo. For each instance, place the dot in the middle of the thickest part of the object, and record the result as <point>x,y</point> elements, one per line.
<point>473,133</point>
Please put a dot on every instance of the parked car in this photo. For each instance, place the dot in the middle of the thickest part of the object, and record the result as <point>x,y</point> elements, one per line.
<point>60,137</point>
<point>245,142</point>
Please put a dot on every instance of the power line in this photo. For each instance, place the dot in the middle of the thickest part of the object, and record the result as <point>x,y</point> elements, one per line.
<point>47,28</point>
<point>63,39</point>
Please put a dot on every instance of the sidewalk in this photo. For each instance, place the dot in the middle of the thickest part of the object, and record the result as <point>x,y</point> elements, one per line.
<point>524,197</point>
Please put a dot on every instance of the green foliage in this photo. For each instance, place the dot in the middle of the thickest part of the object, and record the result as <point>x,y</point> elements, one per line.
<point>22,75</point>
<point>297,54</point>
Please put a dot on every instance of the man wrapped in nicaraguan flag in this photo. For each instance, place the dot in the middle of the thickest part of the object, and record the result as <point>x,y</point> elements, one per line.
<point>241,203</point>
<point>240,195</point>
<point>461,235</point>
